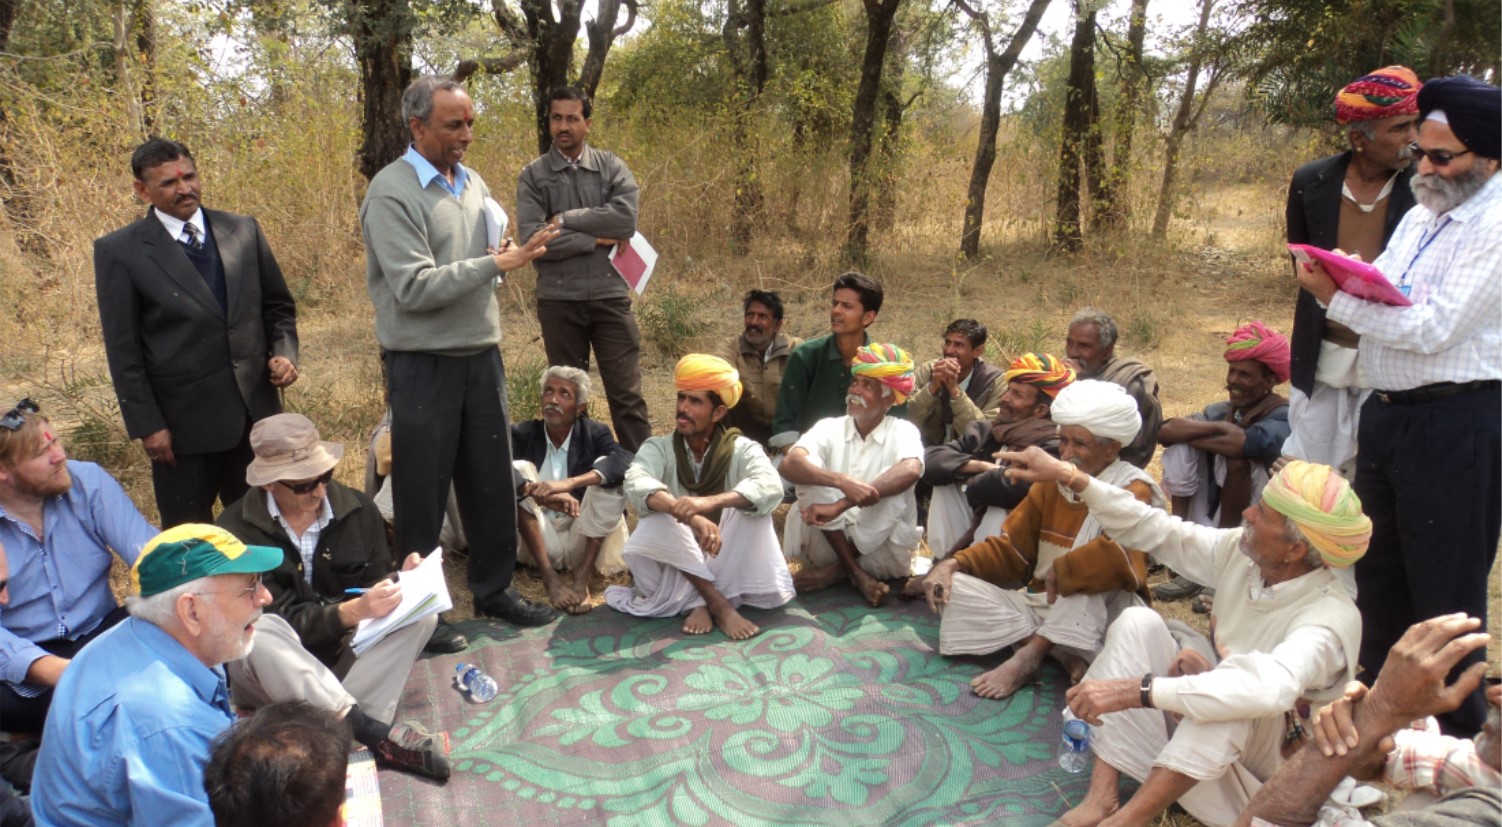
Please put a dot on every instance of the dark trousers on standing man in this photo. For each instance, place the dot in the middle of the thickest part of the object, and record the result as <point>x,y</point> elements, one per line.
<point>1429,474</point>
<point>448,424</point>
<point>571,328</point>
<point>185,492</point>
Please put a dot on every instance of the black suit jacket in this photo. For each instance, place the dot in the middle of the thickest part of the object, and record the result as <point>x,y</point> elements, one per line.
<point>591,447</point>
<point>178,360</point>
<point>1313,215</point>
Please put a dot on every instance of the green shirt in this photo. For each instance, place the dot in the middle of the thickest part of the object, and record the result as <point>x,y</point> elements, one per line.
<point>814,386</point>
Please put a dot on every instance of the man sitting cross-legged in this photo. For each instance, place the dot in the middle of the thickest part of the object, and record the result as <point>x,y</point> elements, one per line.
<point>1285,629</point>
<point>704,543</point>
<point>856,516</point>
<point>568,457</point>
<point>1075,578</point>
<point>971,497</point>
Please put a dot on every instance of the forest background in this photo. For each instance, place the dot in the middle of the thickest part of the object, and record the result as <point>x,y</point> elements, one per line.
<point>1135,157</point>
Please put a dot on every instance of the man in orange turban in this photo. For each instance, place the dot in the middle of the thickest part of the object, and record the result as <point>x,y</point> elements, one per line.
<point>856,516</point>
<point>704,544</point>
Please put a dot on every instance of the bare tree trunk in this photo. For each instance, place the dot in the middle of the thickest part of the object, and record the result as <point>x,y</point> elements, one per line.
<point>1183,121</point>
<point>889,136</point>
<point>879,17</point>
<point>382,34</point>
<point>998,66</point>
<point>1124,122</point>
<point>748,62</point>
<point>1068,233</point>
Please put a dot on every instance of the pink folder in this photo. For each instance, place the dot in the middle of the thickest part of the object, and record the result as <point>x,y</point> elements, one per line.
<point>1358,278</point>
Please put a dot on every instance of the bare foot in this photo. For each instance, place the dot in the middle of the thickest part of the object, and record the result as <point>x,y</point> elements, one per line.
<point>1073,664</point>
<point>581,589</point>
<point>698,622</point>
<point>912,589</point>
<point>561,596</point>
<point>733,625</point>
<point>1002,681</point>
<point>872,589</point>
<point>1088,814</point>
<point>810,579</point>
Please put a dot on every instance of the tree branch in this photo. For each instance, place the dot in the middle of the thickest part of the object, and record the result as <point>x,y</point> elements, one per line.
<point>489,65</point>
<point>630,20</point>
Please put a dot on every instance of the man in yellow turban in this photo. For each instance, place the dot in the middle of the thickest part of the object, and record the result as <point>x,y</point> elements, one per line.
<point>704,544</point>
<point>1286,628</point>
<point>856,516</point>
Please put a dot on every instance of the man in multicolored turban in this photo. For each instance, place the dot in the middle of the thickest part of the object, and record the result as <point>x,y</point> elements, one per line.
<point>970,494</point>
<point>856,516</point>
<point>1286,628</point>
<point>1430,464</point>
<point>704,544</point>
<point>957,389</point>
<point>1353,202</point>
<point>1050,582</point>
<point>1216,462</point>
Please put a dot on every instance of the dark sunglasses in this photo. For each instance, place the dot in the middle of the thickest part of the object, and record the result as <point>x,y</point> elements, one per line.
<point>1437,157</point>
<point>309,487</point>
<point>16,417</point>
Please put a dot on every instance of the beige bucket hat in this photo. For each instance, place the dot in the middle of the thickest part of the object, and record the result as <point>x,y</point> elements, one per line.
<point>287,448</point>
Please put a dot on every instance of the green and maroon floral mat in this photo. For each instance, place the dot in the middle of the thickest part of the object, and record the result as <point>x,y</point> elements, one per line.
<point>835,714</point>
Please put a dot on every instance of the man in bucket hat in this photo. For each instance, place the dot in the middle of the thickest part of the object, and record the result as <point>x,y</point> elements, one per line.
<point>332,540</point>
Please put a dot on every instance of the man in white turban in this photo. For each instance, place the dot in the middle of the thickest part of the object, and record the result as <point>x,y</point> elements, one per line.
<point>1051,582</point>
<point>704,543</point>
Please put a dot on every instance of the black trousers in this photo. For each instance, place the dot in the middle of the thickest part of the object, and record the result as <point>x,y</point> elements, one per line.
<point>448,424</point>
<point>571,328</point>
<point>18,714</point>
<point>1429,475</point>
<point>185,493</point>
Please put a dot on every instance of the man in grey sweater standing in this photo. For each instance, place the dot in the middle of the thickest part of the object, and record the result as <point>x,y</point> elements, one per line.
<point>590,196</point>
<point>432,278</point>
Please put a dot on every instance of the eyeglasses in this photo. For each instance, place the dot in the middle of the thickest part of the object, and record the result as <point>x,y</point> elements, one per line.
<point>311,486</point>
<point>16,417</point>
<point>251,590</point>
<point>1437,157</point>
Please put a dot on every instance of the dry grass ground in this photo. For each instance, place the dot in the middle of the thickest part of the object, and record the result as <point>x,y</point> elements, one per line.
<point>1174,304</point>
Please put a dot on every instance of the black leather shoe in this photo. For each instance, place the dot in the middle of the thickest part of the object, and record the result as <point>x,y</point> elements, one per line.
<point>515,609</point>
<point>446,640</point>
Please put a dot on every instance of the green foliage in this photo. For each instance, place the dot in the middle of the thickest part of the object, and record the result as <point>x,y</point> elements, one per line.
<point>669,320</point>
<point>1013,341</point>
<point>524,388</point>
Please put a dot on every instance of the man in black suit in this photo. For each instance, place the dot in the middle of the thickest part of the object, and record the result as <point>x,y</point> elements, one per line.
<point>1352,201</point>
<point>200,331</point>
<point>573,517</point>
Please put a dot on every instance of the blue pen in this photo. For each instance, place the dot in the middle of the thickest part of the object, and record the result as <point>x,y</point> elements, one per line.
<point>356,591</point>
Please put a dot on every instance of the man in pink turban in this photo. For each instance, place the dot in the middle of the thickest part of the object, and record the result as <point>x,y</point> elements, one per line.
<point>1216,462</point>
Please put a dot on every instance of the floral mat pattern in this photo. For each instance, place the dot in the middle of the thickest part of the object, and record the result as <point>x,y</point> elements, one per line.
<point>836,713</point>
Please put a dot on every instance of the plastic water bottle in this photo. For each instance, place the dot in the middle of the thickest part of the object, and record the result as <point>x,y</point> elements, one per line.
<point>480,687</point>
<point>1074,747</point>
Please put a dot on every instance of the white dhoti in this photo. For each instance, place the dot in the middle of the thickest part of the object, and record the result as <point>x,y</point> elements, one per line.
<point>950,515</point>
<point>602,514</point>
<point>1324,426</point>
<point>1184,475</point>
<point>1230,759</point>
<point>981,618</point>
<point>748,571</point>
<point>885,534</point>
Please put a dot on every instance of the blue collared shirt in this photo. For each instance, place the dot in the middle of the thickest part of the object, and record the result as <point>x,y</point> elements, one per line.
<point>129,733</point>
<point>426,172</point>
<point>59,583</point>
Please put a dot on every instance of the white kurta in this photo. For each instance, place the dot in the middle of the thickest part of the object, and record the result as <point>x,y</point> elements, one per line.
<point>886,534</point>
<point>950,515</point>
<point>749,570</point>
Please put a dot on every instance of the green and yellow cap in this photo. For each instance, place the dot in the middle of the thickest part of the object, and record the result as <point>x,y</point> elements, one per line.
<point>190,551</point>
